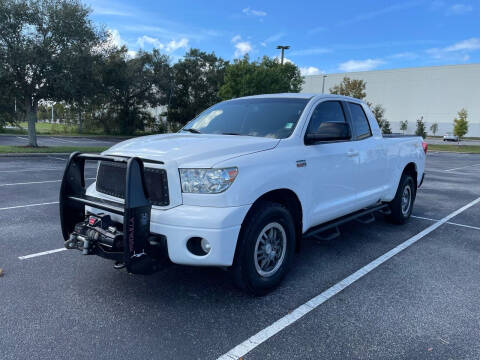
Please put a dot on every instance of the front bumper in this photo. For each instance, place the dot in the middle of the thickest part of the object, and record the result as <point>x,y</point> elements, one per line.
<point>219,225</point>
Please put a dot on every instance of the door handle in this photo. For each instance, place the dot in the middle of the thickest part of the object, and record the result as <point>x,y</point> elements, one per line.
<point>352,153</point>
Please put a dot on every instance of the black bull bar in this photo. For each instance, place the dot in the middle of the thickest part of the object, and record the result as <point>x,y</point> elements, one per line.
<point>136,209</point>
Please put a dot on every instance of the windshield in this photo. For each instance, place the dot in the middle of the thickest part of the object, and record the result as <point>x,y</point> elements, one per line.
<point>264,117</point>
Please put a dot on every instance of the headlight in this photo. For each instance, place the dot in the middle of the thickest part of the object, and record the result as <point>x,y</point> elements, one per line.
<point>207,181</point>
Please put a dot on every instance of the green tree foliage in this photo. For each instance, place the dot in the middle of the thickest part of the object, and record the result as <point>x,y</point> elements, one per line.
<point>460,124</point>
<point>131,86</point>
<point>197,80</point>
<point>352,88</point>
<point>421,131</point>
<point>384,124</point>
<point>404,125</point>
<point>39,40</point>
<point>268,76</point>
<point>434,128</point>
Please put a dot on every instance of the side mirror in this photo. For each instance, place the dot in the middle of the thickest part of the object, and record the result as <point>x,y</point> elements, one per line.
<point>329,131</point>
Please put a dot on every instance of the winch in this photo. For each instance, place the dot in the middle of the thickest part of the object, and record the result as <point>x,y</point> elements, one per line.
<point>96,230</point>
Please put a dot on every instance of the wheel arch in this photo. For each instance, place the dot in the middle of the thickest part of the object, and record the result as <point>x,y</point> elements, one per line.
<point>291,201</point>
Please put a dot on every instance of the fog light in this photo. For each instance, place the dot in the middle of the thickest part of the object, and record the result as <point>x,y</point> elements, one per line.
<point>205,245</point>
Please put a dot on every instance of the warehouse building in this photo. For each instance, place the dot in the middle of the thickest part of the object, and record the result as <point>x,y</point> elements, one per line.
<point>437,93</point>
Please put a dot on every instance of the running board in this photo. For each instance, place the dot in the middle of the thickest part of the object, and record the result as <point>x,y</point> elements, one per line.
<point>342,220</point>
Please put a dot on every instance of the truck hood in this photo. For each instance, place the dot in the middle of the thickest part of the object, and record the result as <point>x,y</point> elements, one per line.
<point>192,150</point>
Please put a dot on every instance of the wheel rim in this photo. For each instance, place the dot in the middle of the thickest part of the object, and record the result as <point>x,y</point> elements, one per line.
<point>406,200</point>
<point>270,249</point>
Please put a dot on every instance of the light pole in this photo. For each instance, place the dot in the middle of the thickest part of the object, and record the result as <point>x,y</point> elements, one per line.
<point>323,84</point>
<point>283,48</point>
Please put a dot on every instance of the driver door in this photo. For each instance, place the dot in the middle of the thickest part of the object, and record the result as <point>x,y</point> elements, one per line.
<point>331,167</point>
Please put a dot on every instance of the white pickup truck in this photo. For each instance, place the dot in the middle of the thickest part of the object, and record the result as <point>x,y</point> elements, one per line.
<point>241,184</point>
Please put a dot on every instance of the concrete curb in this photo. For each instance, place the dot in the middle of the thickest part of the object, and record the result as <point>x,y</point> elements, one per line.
<point>34,154</point>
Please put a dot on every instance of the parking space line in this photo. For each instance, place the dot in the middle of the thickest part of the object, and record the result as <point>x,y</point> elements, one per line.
<point>41,253</point>
<point>57,158</point>
<point>263,335</point>
<point>448,222</point>
<point>29,205</point>
<point>61,140</point>
<point>37,182</point>
<point>463,167</point>
<point>25,170</point>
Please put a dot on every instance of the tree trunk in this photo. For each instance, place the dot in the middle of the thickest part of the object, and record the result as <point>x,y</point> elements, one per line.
<point>31,107</point>
<point>80,121</point>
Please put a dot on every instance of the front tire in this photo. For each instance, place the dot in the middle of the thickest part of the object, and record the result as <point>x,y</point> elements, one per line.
<point>401,206</point>
<point>265,248</point>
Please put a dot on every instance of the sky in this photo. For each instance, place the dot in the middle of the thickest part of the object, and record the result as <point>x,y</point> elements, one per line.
<point>324,36</point>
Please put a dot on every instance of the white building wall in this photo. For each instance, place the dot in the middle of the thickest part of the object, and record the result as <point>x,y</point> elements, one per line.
<point>436,93</point>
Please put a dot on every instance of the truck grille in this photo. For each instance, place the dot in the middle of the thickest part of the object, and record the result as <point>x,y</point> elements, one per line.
<point>111,180</point>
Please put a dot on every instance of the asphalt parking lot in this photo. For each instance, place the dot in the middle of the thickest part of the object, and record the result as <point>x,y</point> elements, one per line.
<point>419,303</point>
<point>45,140</point>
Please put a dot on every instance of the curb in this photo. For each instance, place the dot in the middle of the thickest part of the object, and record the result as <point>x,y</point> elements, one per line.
<point>34,154</point>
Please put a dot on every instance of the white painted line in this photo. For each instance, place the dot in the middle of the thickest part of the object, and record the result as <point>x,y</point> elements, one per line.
<point>448,222</point>
<point>25,170</point>
<point>444,172</point>
<point>57,158</point>
<point>30,205</point>
<point>21,138</point>
<point>38,182</point>
<point>463,167</point>
<point>263,335</point>
<point>41,253</point>
<point>61,140</point>
<point>463,225</point>
<point>423,218</point>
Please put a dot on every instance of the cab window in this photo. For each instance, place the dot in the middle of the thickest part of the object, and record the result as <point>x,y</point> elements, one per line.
<point>360,123</point>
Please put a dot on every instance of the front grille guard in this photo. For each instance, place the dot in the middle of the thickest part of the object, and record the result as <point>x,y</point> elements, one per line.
<point>135,210</point>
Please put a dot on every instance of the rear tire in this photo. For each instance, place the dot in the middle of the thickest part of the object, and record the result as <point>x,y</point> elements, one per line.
<point>265,248</point>
<point>402,204</point>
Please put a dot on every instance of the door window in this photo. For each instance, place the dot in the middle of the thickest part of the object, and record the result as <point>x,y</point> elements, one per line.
<point>359,121</point>
<point>327,111</point>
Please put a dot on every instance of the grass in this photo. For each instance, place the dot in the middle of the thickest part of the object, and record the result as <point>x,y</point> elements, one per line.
<point>4,149</point>
<point>455,148</point>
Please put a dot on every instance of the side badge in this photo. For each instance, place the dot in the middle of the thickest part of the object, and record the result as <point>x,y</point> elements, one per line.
<point>301,163</point>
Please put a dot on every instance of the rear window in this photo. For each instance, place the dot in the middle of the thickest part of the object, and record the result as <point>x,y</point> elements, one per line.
<point>359,121</point>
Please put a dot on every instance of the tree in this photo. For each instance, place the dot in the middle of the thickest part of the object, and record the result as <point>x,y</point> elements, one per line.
<point>404,125</point>
<point>197,80</point>
<point>384,124</point>
<point>132,85</point>
<point>268,76</point>
<point>434,128</point>
<point>460,124</point>
<point>421,131</point>
<point>352,88</point>
<point>38,40</point>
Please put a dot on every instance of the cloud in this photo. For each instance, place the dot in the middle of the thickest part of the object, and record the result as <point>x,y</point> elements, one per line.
<point>175,45</point>
<point>250,12</point>
<point>285,60</point>
<point>110,11</point>
<point>156,43</point>
<point>316,30</point>
<point>275,37</point>
<point>360,65</point>
<point>114,38</point>
<point>131,54</point>
<point>236,38</point>
<point>310,70</point>
<point>459,9</point>
<point>462,47</point>
<point>376,13</point>
<point>145,39</point>
<point>465,45</point>
<point>310,51</point>
<point>242,48</point>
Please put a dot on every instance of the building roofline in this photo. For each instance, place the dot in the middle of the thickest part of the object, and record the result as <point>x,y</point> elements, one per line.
<point>414,68</point>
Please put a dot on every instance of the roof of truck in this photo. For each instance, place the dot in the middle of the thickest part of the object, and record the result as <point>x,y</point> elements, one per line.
<point>298,96</point>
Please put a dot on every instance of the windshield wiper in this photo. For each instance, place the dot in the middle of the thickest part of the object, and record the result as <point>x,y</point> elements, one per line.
<point>195,131</point>
<point>230,133</point>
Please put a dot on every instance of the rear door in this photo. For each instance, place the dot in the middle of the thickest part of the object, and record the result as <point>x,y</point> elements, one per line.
<point>330,167</point>
<point>371,172</point>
